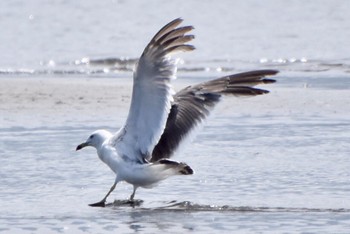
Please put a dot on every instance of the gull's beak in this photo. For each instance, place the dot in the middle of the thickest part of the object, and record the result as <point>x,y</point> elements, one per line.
<point>82,145</point>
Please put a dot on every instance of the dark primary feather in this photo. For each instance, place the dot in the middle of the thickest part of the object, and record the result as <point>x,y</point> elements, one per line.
<point>170,39</point>
<point>193,104</point>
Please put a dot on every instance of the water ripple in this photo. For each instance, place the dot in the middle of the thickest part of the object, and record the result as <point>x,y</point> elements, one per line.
<point>188,206</point>
<point>111,66</point>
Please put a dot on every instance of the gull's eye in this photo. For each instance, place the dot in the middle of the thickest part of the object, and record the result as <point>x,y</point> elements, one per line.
<point>91,137</point>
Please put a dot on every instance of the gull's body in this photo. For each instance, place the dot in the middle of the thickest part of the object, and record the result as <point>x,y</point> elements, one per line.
<point>159,119</point>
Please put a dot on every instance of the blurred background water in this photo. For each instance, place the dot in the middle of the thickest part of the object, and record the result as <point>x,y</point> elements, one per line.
<point>102,37</point>
<point>271,173</point>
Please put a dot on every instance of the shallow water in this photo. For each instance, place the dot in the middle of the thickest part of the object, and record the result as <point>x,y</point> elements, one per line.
<point>248,182</point>
<point>105,38</point>
<point>274,164</point>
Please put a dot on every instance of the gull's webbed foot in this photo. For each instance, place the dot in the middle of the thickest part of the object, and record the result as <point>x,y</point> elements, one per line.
<point>102,203</point>
<point>99,204</point>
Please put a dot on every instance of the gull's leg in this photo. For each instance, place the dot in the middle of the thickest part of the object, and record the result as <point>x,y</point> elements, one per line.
<point>133,194</point>
<point>102,203</point>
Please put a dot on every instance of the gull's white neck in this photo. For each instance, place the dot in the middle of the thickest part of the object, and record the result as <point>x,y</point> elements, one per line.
<point>108,155</point>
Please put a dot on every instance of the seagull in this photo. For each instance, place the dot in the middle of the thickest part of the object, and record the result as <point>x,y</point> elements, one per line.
<point>160,119</point>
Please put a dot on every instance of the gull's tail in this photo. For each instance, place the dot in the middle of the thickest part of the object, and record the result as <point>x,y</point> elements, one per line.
<point>177,168</point>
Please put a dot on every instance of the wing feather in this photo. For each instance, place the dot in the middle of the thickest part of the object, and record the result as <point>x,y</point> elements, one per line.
<point>193,104</point>
<point>152,94</point>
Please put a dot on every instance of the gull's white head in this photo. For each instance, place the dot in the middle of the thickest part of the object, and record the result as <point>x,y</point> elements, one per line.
<point>96,139</point>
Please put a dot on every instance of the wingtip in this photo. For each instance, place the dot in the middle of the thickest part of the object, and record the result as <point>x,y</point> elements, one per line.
<point>275,72</point>
<point>176,21</point>
<point>268,72</point>
<point>268,81</point>
<point>179,19</point>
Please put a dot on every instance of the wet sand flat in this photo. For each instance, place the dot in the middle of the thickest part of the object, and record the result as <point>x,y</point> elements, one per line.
<point>60,99</point>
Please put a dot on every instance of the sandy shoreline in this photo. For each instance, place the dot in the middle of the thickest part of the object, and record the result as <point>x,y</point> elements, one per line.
<point>30,102</point>
<point>55,100</point>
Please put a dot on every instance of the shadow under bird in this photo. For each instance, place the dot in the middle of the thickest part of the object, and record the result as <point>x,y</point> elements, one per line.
<point>160,119</point>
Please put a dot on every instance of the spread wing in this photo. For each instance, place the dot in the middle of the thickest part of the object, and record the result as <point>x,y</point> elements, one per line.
<point>152,93</point>
<point>194,103</point>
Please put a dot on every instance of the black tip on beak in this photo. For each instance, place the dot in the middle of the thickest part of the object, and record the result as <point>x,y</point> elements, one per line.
<point>82,145</point>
